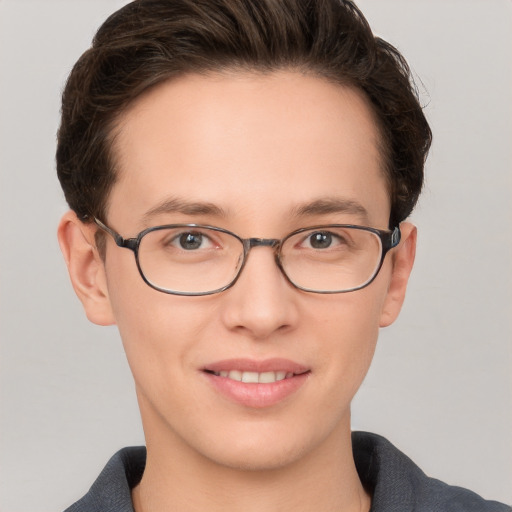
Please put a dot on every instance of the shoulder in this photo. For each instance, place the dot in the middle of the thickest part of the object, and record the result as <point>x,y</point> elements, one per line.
<point>397,484</point>
<point>111,492</point>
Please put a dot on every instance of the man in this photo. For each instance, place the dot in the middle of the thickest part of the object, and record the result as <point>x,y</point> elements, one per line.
<point>239,176</point>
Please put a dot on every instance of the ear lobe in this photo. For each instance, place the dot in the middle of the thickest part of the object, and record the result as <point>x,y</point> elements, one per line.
<point>85,267</point>
<point>403,260</point>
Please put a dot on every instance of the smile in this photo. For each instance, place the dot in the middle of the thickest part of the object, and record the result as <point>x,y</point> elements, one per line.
<point>256,384</point>
<point>255,377</point>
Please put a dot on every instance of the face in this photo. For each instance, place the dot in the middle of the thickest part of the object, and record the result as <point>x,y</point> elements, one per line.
<point>257,155</point>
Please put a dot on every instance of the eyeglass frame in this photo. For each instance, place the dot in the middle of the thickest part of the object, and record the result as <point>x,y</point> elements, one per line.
<point>389,240</point>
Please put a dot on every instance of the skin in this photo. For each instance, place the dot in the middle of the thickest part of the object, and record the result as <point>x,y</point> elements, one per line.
<point>258,147</point>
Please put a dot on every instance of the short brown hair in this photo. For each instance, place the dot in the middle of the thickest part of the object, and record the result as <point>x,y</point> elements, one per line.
<point>149,41</point>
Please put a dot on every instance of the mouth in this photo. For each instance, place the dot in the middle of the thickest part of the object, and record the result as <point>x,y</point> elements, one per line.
<point>250,377</point>
<point>256,384</point>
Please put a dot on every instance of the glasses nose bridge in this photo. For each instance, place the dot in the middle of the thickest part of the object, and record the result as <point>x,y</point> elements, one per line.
<point>262,242</point>
<point>273,243</point>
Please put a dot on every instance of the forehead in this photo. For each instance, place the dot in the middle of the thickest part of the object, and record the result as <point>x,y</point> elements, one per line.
<point>246,142</point>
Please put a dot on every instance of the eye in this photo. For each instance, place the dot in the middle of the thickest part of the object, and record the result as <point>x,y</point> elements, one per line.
<point>322,240</point>
<point>191,241</point>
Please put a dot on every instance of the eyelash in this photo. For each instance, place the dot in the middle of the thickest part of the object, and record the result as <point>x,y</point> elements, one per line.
<point>335,238</point>
<point>177,240</point>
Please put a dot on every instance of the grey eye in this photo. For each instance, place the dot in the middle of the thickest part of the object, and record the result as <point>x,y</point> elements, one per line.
<point>320,240</point>
<point>190,241</point>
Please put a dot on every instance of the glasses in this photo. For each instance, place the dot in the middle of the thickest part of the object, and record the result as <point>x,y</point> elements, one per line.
<point>192,259</point>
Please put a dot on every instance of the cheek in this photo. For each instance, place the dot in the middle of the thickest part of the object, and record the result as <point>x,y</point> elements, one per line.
<point>157,329</point>
<point>161,340</point>
<point>351,328</point>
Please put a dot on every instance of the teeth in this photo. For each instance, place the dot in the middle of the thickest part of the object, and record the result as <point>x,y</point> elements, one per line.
<point>250,377</point>
<point>235,375</point>
<point>255,377</point>
<point>267,377</point>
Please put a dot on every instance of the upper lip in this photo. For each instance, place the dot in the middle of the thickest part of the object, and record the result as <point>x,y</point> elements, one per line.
<point>251,365</point>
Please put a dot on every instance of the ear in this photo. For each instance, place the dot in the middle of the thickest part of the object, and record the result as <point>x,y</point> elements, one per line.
<point>403,260</point>
<point>85,267</point>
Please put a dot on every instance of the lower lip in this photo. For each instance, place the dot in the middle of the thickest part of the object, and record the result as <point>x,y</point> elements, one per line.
<point>257,395</point>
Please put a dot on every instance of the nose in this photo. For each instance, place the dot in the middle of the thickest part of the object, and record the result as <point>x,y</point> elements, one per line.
<point>262,302</point>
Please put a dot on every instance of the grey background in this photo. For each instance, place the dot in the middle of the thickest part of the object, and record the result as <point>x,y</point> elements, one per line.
<point>440,387</point>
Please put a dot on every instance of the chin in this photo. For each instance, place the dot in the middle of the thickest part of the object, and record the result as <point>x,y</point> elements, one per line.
<point>268,447</point>
<point>255,458</point>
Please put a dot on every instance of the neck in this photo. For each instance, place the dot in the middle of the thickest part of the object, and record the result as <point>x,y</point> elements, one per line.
<point>179,478</point>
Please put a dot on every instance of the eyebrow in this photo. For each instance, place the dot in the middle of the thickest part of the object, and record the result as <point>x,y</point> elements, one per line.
<point>329,205</point>
<point>175,205</point>
<point>323,206</point>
